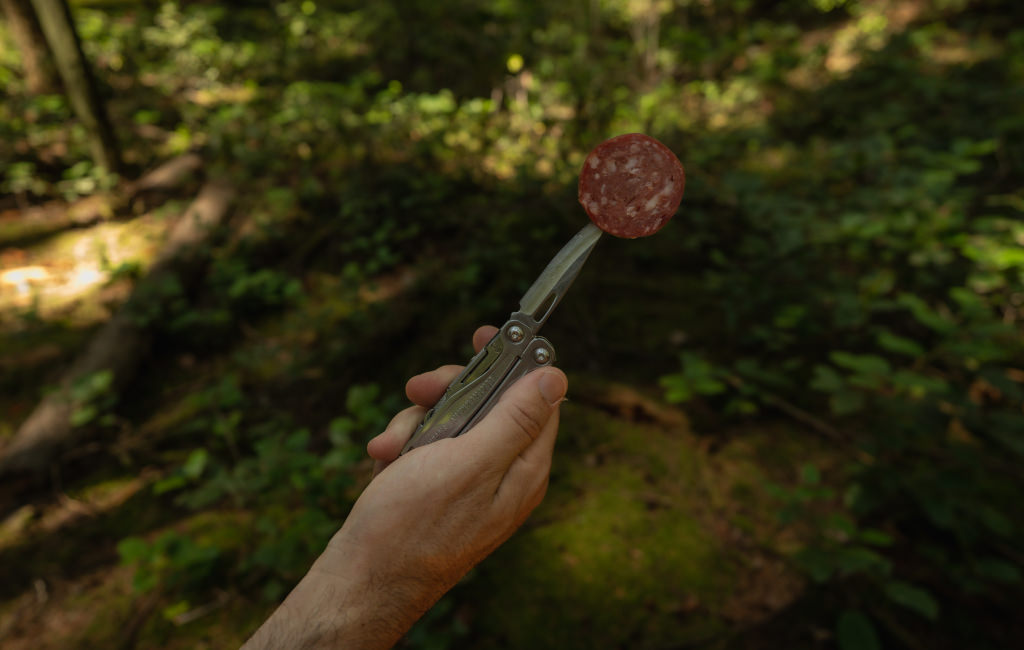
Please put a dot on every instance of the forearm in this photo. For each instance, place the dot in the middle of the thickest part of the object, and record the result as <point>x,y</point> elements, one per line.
<point>347,600</point>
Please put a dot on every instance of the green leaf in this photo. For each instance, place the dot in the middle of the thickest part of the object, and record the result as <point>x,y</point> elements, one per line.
<point>855,631</point>
<point>995,521</point>
<point>196,463</point>
<point>177,609</point>
<point>83,415</point>
<point>913,598</point>
<point>677,389</point>
<point>361,396</point>
<point>297,441</point>
<point>970,303</point>
<point>169,484</point>
<point>809,474</point>
<point>839,525</point>
<point>827,380</point>
<point>698,377</point>
<point>145,580</point>
<point>875,537</point>
<point>1006,257</point>
<point>879,283</point>
<point>816,563</point>
<point>750,369</point>
<point>852,495</point>
<point>741,407</point>
<point>998,570</point>
<point>340,430</point>
<point>132,549</point>
<point>918,385</point>
<point>859,559</point>
<point>708,386</point>
<point>790,316</point>
<point>898,344</point>
<point>846,402</point>
<point>862,364</point>
<point>924,314</point>
<point>272,590</point>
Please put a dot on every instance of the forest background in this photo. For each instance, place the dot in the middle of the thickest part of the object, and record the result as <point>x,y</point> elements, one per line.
<point>230,231</point>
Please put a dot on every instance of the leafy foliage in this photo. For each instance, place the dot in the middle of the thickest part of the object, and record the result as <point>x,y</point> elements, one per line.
<point>92,397</point>
<point>849,250</point>
<point>295,496</point>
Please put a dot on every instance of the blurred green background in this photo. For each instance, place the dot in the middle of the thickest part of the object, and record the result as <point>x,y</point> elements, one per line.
<point>796,415</point>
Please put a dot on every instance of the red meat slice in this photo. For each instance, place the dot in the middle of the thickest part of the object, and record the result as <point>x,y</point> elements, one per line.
<point>631,185</point>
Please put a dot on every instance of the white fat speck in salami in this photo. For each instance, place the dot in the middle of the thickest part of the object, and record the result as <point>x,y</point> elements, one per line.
<point>631,185</point>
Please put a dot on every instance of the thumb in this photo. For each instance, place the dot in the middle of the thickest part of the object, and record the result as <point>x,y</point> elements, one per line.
<point>520,415</point>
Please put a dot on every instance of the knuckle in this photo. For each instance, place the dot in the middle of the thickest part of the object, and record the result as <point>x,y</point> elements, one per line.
<point>526,420</point>
<point>449,370</point>
<point>402,418</point>
<point>402,425</point>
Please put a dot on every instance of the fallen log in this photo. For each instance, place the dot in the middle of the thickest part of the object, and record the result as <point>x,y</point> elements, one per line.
<point>167,176</point>
<point>121,342</point>
<point>19,227</point>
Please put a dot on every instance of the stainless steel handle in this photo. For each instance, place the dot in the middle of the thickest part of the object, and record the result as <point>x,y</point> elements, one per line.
<point>509,355</point>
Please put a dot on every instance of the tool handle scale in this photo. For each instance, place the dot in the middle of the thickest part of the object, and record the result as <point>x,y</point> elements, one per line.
<point>511,353</point>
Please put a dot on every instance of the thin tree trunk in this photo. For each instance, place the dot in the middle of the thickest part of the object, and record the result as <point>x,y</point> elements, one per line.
<point>55,19</point>
<point>40,75</point>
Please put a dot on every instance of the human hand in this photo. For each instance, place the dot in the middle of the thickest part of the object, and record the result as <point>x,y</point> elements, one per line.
<point>428,516</point>
<point>435,512</point>
<point>423,391</point>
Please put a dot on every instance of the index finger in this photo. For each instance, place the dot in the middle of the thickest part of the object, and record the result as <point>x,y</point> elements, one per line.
<point>483,335</point>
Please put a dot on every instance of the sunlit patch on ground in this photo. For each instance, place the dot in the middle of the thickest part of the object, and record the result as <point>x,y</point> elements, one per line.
<point>74,275</point>
<point>68,509</point>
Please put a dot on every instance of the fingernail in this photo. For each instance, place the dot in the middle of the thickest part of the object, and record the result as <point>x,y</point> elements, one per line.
<point>552,387</point>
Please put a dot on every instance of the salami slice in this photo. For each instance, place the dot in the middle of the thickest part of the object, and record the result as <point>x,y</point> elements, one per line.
<point>631,185</point>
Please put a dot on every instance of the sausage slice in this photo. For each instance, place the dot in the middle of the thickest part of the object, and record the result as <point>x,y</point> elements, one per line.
<point>631,185</point>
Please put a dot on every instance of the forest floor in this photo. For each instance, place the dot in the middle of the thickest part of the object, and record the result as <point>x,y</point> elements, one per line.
<point>638,493</point>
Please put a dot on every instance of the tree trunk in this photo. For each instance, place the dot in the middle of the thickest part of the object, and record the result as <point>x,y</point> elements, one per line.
<point>40,75</point>
<point>55,19</point>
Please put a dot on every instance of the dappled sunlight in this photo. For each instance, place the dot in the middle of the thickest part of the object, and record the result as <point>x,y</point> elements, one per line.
<point>21,525</point>
<point>868,32</point>
<point>21,277</point>
<point>234,94</point>
<point>74,276</point>
<point>949,47</point>
<point>833,52</point>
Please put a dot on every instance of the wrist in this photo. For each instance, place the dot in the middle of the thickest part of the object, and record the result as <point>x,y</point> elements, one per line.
<point>338,603</point>
<point>386,593</point>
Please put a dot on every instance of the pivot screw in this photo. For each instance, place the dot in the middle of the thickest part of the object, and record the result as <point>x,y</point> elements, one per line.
<point>541,355</point>
<point>515,334</point>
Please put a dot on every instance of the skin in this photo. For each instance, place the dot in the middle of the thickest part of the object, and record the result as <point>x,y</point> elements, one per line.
<point>426,518</point>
